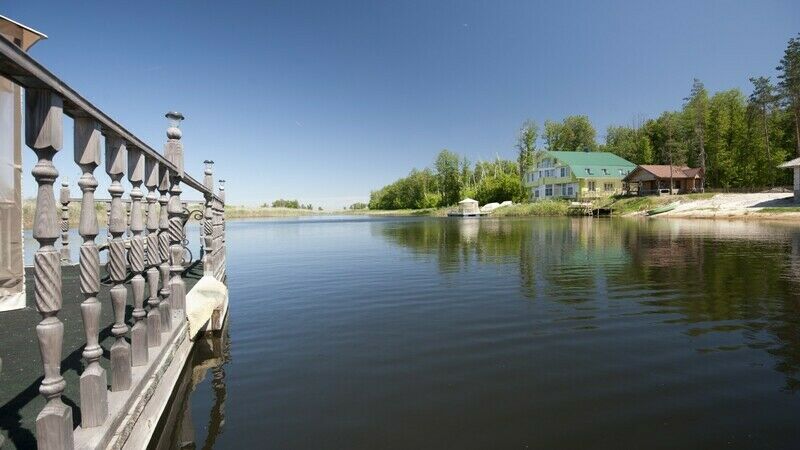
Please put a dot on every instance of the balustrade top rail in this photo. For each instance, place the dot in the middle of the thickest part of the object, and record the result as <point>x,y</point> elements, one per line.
<point>27,72</point>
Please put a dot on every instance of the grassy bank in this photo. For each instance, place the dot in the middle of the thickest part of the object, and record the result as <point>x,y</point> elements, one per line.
<point>253,212</point>
<point>538,209</point>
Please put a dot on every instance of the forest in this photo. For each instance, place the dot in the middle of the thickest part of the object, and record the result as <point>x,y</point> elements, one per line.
<point>738,139</point>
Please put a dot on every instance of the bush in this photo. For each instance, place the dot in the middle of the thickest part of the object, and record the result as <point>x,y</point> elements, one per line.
<point>498,189</point>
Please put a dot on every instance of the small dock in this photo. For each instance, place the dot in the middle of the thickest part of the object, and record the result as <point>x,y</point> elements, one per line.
<point>588,209</point>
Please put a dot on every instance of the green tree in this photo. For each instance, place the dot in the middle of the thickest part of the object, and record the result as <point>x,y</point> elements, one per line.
<point>630,143</point>
<point>448,177</point>
<point>789,85</point>
<point>505,186</point>
<point>696,111</point>
<point>552,134</point>
<point>526,146</point>
<point>761,104</point>
<point>572,134</point>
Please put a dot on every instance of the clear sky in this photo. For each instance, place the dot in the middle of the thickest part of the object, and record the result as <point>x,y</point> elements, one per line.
<point>324,101</point>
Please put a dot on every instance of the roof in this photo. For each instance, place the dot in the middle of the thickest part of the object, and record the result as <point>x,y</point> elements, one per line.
<point>789,164</point>
<point>467,200</point>
<point>595,161</point>
<point>663,171</point>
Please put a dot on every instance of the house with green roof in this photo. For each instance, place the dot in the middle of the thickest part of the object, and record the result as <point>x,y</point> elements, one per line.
<point>577,175</point>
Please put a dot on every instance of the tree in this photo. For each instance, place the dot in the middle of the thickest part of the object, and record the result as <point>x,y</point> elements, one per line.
<point>697,110</point>
<point>447,175</point>
<point>789,85</point>
<point>526,146</point>
<point>552,134</point>
<point>572,134</point>
<point>761,103</point>
<point>505,186</point>
<point>630,143</point>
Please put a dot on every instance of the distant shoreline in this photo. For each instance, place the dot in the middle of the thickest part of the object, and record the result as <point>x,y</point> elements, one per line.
<point>761,206</point>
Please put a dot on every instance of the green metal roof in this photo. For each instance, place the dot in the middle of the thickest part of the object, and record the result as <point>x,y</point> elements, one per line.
<point>579,161</point>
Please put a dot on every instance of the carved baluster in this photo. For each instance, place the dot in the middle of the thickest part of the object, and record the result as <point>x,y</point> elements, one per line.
<point>43,134</point>
<point>108,222</point>
<point>163,251</point>
<point>116,152</point>
<point>173,151</point>
<point>153,255</point>
<point>94,396</point>
<point>222,258</point>
<point>208,214</point>
<point>139,345</point>
<point>64,200</point>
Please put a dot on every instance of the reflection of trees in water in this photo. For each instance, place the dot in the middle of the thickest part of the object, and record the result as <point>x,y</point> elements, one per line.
<point>175,429</point>
<point>716,277</point>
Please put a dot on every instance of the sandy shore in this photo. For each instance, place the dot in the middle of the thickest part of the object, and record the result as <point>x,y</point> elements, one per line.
<point>767,206</point>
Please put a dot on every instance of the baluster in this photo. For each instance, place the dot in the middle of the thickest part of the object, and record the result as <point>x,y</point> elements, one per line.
<point>153,256</point>
<point>116,151</point>
<point>43,134</point>
<point>173,151</point>
<point>64,200</point>
<point>163,251</point>
<point>139,345</point>
<point>94,396</point>
<point>108,222</point>
<point>222,258</point>
<point>208,227</point>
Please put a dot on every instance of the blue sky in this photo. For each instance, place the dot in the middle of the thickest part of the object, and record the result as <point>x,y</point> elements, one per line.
<point>324,101</point>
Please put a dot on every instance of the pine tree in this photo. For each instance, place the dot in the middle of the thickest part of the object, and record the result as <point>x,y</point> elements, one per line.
<point>789,85</point>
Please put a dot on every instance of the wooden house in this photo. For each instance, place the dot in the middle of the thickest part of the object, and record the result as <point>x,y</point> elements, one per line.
<point>650,179</point>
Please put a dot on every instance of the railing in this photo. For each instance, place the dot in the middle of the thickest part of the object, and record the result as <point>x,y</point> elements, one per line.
<point>156,254</point>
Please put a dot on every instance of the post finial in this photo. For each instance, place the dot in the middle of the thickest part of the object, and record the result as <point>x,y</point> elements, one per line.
<point>174,124</point>
<point>208,173</point>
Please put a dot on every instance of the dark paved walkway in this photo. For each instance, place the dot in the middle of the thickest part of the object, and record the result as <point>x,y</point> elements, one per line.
<point>20,401</point>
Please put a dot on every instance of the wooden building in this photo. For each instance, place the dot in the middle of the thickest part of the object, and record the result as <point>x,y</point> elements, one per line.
<point>653,179</point>
<point>795,166</point>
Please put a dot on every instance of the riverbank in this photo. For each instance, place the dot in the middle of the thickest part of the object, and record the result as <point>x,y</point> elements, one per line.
<point>765,206</point>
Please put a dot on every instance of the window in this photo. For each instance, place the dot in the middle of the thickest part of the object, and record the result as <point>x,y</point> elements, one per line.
<point>548,190</point>
<point>605,172</point>
<point>570,191</point>
<point>621,172</point>
<point>592,187</point>
<point>536,193</point>
<point>563,172</point>
<point>588,171</point>
<point>608,187</point>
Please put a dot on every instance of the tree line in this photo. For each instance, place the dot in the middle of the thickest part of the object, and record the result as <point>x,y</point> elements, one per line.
<point>739,140</point>
<point>292,204</point>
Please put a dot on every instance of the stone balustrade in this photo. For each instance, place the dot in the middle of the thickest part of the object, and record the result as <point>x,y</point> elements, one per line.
<point>152,254</point>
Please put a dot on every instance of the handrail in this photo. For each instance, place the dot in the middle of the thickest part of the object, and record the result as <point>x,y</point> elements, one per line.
<point>27,72</point>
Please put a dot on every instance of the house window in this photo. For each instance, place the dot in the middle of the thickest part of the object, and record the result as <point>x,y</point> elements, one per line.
<point>563,172</point>
<point>592,186</point>
<point>588,171</point>
<point>605,172</point>
<point>536,193</point>
<point>621,172</point>
<point>570,191</point>
<point>548,190</point>
<point>608,187</point>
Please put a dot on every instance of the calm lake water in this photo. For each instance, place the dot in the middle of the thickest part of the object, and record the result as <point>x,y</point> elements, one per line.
<point>360,333</point>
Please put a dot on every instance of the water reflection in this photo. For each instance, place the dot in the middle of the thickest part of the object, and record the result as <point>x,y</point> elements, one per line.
<point>725,284</point>
<point>177,427</point>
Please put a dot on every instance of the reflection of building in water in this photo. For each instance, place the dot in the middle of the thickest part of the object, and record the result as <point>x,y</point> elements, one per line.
<point>176,429</point>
